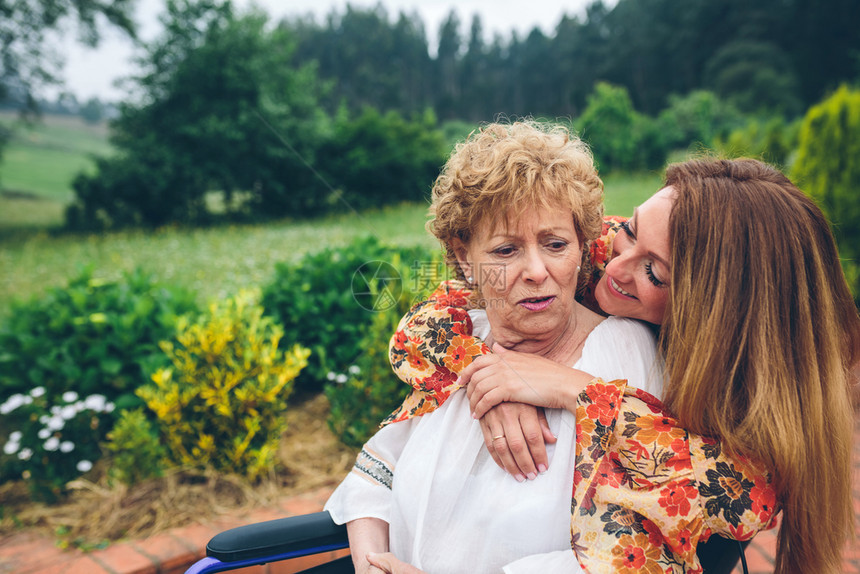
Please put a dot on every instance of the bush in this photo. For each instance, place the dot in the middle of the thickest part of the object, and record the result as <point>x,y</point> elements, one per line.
<point>378,159</point>
<point>221,403</point>
<point>55,438</point>
<point>696,120</point>
<point>827,168</point>
<point>139,190</point>
<point>93,336</point>
<point>325,301</point>
<point>137,454</point>
<point>368,391</point>
<point>773,141</point>
<point>456,131</point>
<point>94,339</point>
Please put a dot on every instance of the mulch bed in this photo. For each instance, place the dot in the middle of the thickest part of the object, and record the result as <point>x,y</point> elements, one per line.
<point>96,513</point>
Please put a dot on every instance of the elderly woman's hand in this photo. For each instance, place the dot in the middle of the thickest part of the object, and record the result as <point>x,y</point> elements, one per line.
<point>516,435</point>
<point>511,376</point>
<point>389,563</point>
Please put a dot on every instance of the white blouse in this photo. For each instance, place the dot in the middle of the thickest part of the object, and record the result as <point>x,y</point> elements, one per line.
<point>450,508</point>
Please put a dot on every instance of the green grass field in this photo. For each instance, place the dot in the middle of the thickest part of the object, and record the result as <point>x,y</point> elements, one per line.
<point>623,192</point>
<point>39,165</point>
<point>212,262</point>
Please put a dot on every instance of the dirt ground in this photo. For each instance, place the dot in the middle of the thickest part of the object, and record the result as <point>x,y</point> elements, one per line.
<point>96,513</point>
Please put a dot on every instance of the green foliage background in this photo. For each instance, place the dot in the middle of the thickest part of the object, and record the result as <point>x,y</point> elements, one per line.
<point>316,301</point>
<point>92,338</point>
<point>368,390</point>
<point>827,167</point>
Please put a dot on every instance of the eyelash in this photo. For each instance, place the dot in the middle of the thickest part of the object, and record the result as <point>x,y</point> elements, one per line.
<point>649,271</point>
<point>651,277</point>
<point>626,227</point>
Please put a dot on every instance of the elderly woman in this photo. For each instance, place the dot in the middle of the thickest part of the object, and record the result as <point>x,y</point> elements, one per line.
<point>515,206</point>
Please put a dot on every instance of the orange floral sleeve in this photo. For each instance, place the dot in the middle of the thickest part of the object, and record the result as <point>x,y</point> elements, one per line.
<point>434,343</point>
<point>646,491</point>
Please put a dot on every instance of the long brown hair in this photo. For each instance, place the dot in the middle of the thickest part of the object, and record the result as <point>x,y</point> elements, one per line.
<point>759,337</point>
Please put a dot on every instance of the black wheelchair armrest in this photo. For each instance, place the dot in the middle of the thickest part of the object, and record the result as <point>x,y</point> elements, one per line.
<point>315,533</point>
<point>304,535</point>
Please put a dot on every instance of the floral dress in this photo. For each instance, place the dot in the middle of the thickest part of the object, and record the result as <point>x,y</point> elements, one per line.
<point>645,491</point>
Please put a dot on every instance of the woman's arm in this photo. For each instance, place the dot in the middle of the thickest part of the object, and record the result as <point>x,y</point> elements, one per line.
<point>510,376</point>
<point>363,499</point>
<point>366,535</point>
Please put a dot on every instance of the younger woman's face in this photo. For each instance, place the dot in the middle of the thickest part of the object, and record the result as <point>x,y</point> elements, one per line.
<point>636,282</point>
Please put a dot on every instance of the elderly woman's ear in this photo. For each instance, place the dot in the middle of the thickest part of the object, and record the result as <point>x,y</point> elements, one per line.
<point>462,254</point>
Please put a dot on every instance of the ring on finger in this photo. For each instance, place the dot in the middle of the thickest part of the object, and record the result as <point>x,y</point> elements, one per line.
<point>498,437</point>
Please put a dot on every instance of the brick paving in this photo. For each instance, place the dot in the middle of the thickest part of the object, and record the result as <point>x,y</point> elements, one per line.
<point>171,552</point>
<point>174,551</point>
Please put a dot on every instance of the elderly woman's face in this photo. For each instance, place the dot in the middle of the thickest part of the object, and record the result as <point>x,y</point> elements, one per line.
<point>527,272</point>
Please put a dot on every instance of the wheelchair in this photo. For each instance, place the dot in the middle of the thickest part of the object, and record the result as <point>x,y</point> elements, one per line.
<point>309,534</point>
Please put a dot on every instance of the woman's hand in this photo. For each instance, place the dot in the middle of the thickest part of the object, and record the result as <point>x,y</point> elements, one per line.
<point>515,435</point>
<point>389,563</point>
<point>511,376</point>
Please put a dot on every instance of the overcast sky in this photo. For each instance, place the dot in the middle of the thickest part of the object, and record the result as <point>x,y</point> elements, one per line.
<point>91,73</point>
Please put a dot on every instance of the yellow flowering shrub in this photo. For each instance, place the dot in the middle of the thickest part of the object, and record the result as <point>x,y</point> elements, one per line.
<point>222,401</point>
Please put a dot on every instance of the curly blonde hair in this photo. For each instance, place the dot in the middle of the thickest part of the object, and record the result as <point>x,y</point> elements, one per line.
<point>502,170</point>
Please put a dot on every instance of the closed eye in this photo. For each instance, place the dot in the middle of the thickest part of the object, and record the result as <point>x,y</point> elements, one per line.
<point>649,271</point>
<point>626,227</point>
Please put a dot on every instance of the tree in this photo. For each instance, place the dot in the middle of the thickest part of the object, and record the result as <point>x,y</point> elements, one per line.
<point>447,58</point>
<point>222,111</point>
<point>827,168</point>
<point>609,124</point>
<point>92,111</point>
<point>696,119</point>
<point>755,76</point>
<point>27,64</point>
<point>535,75</point>
<point>578,55</point>
<point>369,60</point>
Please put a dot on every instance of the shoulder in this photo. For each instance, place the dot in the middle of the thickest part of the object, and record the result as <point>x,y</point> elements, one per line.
<point>621,348</point>
<point>630,328</point>
<point>480,323</point>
